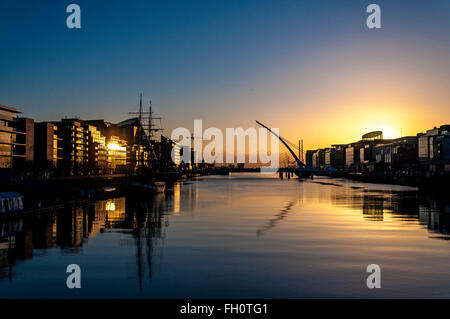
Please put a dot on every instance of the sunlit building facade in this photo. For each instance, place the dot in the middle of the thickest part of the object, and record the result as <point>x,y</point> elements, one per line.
<point>97,158</point>
<point>74,148</point>
<point>13,139</point>
<point>117,153</point>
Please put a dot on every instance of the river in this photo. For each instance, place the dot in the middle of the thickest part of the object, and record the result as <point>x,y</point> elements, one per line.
<point>238,236</point>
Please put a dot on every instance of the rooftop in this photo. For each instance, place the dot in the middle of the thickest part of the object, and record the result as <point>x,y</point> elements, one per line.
<point>9,108</point>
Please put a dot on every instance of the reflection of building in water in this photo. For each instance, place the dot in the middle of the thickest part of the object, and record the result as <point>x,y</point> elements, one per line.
<point>65,228</point>
<point>429,217</point>
<point>8,231</point>
<point>435,213</point>
<point>373,207</point>
<point>182,200</point>
<point>115,212</point>
<point>71,227</point>
<point>374,204</point>
<point>176,198</point>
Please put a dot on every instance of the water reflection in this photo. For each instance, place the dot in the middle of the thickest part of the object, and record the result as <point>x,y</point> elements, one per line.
<point>278,217</point>
<point>306,232</point>
<point>404,206</point>
<point>72,227</point>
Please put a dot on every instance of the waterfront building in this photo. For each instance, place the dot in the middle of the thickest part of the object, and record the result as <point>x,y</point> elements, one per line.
<point>164,153</point>
<point>74,152</point>
<point>178,151</point>
<point>399,155</point>
<point>434,151</point>
<point>140,147</point>
<point>26,125</point>
<point>97,152</point>
<point>360,155</point>
<point>14,150</point>
<point>318,159</point>
<point>47,146</point>
<point>335,156</point>
<point>352,154</point>
<point>309,157</point>
<point>117,153</point>
<point>435,144</point>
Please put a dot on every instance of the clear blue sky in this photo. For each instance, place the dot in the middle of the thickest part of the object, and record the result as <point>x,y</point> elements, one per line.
<point>224,61</point>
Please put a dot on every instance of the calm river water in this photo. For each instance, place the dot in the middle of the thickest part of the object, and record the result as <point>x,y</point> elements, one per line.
<point>249,236</point>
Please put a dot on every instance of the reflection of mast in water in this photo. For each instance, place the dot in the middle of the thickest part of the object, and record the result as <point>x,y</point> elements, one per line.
<point>10,264</point>
<point>272,223</point>
<point>137,234</point>
<point>155,229</point>
<point>147,221</point>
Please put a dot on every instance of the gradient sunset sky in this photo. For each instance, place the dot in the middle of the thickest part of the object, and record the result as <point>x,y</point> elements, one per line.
<point>311,68</point>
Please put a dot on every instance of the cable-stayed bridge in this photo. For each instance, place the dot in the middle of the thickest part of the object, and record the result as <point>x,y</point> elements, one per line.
<point>294,165</point>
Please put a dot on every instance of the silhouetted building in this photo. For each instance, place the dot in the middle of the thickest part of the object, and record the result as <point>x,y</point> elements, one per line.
<point>373,136</point>
<point>352,154</point>
<point>164,152</point>
<point>434,151</point>
<point>399,155</point>
<point>335,157</point>
<point>435,144</point>
<point>318,159</point>
<point>46,145</point>
<point>140,148</point>
<point>309,157</point>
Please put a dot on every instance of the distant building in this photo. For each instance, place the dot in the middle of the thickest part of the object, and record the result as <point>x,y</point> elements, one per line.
<point>373,136</point>
<point>359,155</point>
<point>177,152</point>
<point>164,152</point>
